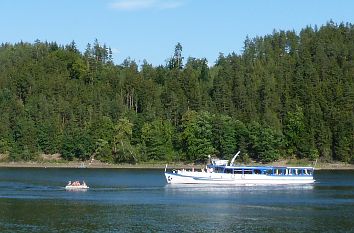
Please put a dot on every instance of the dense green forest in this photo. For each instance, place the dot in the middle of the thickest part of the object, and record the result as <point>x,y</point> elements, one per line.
<point>287,95</point>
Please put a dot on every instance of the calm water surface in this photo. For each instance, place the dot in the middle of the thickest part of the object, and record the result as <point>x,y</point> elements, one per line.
<point>138,200</point>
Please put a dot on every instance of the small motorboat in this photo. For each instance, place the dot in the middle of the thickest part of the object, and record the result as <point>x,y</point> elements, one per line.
<point>76,186</point>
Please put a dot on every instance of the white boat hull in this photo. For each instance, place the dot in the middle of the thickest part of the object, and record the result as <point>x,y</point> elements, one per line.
<point>189,177</point>
<point>76,187</point>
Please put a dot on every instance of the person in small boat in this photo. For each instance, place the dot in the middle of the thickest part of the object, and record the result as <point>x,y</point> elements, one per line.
<point>83,183</point>
<point>69,183</point>
<point>76,183</point>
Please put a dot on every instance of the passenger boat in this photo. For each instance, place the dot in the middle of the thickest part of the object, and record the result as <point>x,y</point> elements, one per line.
<point>76,186</point>
<point>221,172</point>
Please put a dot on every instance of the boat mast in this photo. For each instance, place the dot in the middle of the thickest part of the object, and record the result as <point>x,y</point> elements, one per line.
<point>234,158</point>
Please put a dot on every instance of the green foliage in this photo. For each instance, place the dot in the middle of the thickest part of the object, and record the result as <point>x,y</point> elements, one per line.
<point>241,136</point>
<point>176,62</point>
<point>287,94</point>
<point>4,146</point>
<point>294,131</point>
<point>196,135</point>
<point>76,143</point>
<point>122,150</point>
<point>102,131</point>
<point>264,143</point>
<point>157,140</point>
<point>224,136</point>
<point>103,151</point>
<point>48,139</point>
<point>25,134</point>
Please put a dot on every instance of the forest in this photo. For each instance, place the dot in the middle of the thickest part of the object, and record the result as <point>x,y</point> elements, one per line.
<point>287,95</point>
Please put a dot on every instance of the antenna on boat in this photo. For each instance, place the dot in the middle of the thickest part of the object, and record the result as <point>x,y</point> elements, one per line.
<point>315,165</point>
<point>234,158</point>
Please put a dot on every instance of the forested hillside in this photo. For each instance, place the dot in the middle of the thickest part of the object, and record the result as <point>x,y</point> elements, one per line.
<point>287,95</point>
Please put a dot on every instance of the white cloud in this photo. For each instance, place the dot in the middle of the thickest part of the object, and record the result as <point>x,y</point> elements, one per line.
<point>130,5</point>
<point>170,4</point>
<point>133,4</point>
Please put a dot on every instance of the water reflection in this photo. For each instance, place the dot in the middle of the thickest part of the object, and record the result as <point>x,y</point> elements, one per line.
<point>76,190</point>
<point>220,189</point>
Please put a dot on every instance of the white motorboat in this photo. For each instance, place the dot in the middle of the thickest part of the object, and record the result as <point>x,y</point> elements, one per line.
<point>219,172</point>
<point>76,186</point>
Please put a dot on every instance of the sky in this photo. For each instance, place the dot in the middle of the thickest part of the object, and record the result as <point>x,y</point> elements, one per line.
<point>150,29</point>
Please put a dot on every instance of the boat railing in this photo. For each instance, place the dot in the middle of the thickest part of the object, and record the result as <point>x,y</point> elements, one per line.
<point>219,162</point>
<point>269,171</point>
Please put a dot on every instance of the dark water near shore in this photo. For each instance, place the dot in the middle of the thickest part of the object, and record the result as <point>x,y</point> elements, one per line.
<point>137,200</point>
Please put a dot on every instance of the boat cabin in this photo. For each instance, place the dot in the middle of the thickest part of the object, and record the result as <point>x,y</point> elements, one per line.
<point>270,171</point>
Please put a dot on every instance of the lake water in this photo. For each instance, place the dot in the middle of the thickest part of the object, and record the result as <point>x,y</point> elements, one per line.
<point>138,200</point>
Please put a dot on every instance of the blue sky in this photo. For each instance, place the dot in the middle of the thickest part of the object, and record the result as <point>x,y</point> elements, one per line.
<point>150,29</point>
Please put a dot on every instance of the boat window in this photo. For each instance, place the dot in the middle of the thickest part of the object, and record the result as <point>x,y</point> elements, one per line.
<point>219,169</point>
<point>228,170</point>
<point>269,172</point>
<point>281,172</point>
<point>247,171</point>
<point>237,171</point>
<point>257,171</point>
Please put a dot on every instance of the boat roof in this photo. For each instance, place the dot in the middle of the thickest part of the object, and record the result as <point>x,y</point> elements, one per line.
<point>263,167</point>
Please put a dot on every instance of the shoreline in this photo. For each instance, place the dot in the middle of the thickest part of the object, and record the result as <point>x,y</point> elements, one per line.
<point>77,165</point>
<point>97,164</point>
